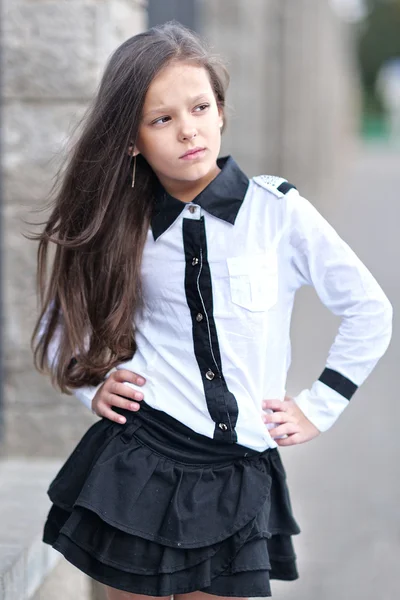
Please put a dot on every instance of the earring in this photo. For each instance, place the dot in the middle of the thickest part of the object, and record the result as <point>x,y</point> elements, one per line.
<point>134,171</point>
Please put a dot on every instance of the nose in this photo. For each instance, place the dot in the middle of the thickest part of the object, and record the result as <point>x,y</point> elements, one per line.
<point>187,132</point>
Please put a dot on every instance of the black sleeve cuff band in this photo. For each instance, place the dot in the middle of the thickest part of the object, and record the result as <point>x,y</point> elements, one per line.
<point>339,383</point>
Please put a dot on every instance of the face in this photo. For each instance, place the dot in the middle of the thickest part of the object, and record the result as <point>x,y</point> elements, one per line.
<point>180,114</point>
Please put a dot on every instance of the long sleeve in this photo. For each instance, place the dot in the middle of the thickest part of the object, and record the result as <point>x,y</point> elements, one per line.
<point>346,287</point>
<point>85,393</point>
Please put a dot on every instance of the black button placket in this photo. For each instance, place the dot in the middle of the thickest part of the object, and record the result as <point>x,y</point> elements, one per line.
<point>221,403</point>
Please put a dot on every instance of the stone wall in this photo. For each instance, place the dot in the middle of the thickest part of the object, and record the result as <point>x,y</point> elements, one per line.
<point>54,53</point>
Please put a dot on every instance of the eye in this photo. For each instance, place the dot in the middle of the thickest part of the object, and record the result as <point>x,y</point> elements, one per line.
<point>202,107</point>
<point>160,120</point>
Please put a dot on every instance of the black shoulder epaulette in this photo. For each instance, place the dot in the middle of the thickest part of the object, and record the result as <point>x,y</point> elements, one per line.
<point>276,185</point>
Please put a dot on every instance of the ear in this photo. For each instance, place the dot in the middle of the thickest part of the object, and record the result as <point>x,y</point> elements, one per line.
<point>221,116</point>
<point>132,150</point>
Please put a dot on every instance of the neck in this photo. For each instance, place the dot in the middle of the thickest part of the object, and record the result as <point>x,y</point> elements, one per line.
<point>186,191</point>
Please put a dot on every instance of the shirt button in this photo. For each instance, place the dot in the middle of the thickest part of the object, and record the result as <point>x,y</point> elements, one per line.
<point>195,261</point>
<point>223,426</point>
<point>192,209</point>
<point>210,375</point>
<point>199,317</point>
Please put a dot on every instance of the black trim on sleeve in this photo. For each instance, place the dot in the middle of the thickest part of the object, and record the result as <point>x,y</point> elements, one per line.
<point>338,382</point>
<point>221,403</point>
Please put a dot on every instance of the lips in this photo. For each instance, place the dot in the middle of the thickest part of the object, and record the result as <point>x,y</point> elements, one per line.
<point>193,152</point>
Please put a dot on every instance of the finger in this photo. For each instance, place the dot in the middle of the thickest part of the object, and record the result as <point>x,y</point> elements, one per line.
<point>121,402</point>
<point>274,404</point>
<point>126,375</point>
<point>276,417</point>
<point>122,389</point>
<point>291,440</point>
<point>285,429</point>
<point>103,410</point>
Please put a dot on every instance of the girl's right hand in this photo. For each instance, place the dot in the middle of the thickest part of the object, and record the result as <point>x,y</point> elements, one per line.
<point>109,394</point>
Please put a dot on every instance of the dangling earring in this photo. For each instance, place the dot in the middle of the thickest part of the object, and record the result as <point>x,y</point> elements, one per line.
<point>134,171</point>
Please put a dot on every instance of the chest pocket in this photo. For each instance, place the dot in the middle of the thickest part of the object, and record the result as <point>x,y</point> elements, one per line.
<point>253,280</point>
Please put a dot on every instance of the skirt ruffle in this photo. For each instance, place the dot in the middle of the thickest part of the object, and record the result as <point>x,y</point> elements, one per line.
<point>152,507</point>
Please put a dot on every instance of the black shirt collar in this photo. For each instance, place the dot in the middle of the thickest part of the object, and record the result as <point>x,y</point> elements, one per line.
<point>222,198</point>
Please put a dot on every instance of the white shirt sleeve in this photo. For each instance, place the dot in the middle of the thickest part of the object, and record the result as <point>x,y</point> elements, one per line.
<point>344,284</point>
<point>85,393</point>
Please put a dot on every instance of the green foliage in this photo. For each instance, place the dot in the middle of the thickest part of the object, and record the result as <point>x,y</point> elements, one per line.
<point>379,40</point>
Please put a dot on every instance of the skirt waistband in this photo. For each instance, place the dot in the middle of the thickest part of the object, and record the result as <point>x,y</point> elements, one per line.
<point>168,436</point>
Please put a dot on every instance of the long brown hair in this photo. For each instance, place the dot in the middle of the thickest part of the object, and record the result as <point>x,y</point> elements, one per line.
<point>98,223</point>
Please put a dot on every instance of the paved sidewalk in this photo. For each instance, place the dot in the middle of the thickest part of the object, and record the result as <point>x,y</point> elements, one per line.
<point>24,559</point>
<point>345,485</point>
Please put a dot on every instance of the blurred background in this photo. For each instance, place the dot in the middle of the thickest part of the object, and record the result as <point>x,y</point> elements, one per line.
<point>314,98</point>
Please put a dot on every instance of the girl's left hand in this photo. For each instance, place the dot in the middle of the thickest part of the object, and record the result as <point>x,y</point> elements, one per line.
<point>291,421</point>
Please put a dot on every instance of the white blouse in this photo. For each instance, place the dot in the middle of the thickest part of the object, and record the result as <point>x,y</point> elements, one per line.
<point>219,277</point>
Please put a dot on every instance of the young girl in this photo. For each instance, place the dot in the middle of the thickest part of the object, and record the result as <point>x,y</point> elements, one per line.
<point>173,280</point>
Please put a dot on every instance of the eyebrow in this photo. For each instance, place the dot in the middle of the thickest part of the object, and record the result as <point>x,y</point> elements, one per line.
<point>163,108</point>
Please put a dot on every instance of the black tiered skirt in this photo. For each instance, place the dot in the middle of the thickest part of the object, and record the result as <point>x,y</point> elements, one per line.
<point>151,507</point>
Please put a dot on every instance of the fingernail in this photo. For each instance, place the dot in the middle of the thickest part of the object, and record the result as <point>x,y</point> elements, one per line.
<point>134,407</point>
<point>264,405</point>
<point>138,396</point>
<point>140,380</point>
<point>122,419</point>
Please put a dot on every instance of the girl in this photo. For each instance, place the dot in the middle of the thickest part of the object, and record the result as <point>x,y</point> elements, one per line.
<point>175,274</point>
